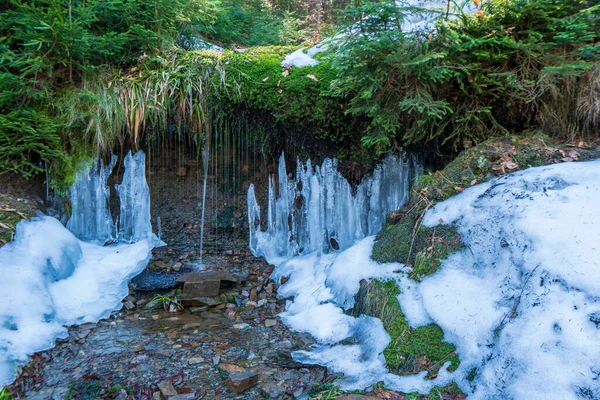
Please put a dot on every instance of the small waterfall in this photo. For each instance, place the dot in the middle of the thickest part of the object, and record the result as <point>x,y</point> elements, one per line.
<point>90,195</point>
<point>91,219</point>
<point>319,210</point>
<point>205,164</point>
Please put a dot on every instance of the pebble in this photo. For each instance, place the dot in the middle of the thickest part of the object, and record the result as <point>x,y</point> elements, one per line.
<point>241,326</point>
<point>270,322</point>
<point>167,389</point>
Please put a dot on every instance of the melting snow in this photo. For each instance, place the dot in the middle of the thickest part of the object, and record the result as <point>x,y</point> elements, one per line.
<point>51,280</point>
<point>521,301</point>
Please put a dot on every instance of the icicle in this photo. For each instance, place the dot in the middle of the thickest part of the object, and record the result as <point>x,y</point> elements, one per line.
<point>90,213</point>
<point>318,212</point>
<point>159,228</point>
<point>134,196</point>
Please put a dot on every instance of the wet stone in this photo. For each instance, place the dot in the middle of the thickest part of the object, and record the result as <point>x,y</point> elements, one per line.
<point>240,382</point>
<point>167,389</point>
<point>270,323</point>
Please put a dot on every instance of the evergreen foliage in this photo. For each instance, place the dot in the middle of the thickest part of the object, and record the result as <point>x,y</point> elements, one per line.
<point>512,64</point>
<point>79,76</point>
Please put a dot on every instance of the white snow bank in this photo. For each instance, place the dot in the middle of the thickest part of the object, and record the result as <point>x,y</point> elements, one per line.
<point>522,300</point>
<point>304,57</point>
<point>51,280</point>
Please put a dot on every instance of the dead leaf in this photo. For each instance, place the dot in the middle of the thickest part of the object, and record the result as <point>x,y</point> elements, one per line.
<point>314,78</point>
<point>458,189</point>
<point>567,159</point>
<point>265,79</point>
<point>424,191</point>
<point>285,73</point>
<point>473,182</point>
<point>279,83</point>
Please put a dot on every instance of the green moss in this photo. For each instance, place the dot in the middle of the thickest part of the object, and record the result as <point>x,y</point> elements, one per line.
<point>411,349</point>
<point>450,391</point>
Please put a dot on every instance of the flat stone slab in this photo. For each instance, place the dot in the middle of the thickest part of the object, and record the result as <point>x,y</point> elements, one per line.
<point>201,288</point>
<point>239,382</point>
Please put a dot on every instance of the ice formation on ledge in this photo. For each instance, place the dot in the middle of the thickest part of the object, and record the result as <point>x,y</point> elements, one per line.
<point>521,302</point>
<point>91,219</point>
<point>51,280</point>
<point>134,199</point>
<point>319,210</point>
<point>90,196</point>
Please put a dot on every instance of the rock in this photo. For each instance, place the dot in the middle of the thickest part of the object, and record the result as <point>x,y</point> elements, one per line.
<point>202,288</point>
<point>167,389</point>
<point>122,395</point>
<point>200,301</point>
<point>241,326</point>
<point>198,310</point>
<point>270,322</point>
<point>177,266</point>
<point>240,382</point>
<point>272,390</point>
<point>187,396</point>
<point>232,369</point>
<point>156,396</point>
<point>195,360</point>
<point>253,295</point>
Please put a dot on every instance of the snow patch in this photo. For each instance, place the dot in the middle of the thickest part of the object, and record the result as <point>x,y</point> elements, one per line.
<point>51,280</point>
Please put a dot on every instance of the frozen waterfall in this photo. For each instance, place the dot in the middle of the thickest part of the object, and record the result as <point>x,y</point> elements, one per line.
<point>134,197</point>
<point>91,219</point>
<point>319,210</point>
<point>90,195</point>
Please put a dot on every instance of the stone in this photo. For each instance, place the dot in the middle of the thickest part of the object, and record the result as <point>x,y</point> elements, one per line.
<point>199,301</point>
<point>202,288</point>
<point>186,396</point>
<point>253,295</point>
<point>156,396</point>
<point>238,383</point>
<point>270,322</point>
<point>232,368</point>
<point>167,389</point>
<point>273,390</point>
<point>241,326</point>
<point>177,266</point>
<point>195,360</point>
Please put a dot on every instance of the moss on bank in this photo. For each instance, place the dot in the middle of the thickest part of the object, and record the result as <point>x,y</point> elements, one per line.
<point>410,350</point>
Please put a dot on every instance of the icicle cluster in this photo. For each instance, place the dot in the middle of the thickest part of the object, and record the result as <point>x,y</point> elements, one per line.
<point>91,219</point>
<point>90,195</point>
<point>319,211</point>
